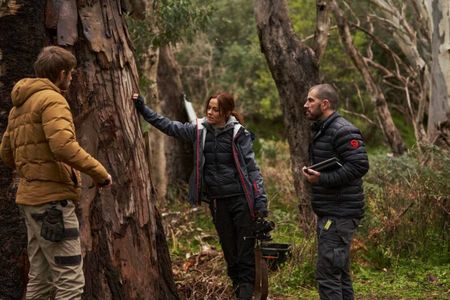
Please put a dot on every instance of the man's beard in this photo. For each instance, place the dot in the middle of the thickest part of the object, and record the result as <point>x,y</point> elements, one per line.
<point>314,115</point>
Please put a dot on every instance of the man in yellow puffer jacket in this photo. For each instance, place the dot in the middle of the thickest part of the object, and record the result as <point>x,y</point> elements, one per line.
<point>40,144</point>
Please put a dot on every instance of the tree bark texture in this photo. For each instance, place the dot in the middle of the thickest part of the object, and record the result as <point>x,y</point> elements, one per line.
<point>124,247</point>
<point>179,154</point>
<point>438,112</point>
<point>294,68</point>
<point>390,131</point>
<point>323,21</point>
<point>425,46</point>
<point>154,139</point>
<point>126,253</point>
<point>22,35</point>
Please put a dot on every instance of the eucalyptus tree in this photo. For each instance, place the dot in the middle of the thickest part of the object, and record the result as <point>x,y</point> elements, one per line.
<point>439,108</point>
<point>377,96</point>
<point>124,247</point>
<point>406,57</point>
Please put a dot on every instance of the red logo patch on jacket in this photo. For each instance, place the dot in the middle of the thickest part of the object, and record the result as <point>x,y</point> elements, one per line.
<point>355,144</point>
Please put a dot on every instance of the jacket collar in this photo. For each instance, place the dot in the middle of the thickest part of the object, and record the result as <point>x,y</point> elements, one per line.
<point>319,127</point>
<point>231,122</point>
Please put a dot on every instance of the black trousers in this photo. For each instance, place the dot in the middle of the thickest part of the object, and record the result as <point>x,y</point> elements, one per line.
<point>233,222</point>
<point>333,261</point>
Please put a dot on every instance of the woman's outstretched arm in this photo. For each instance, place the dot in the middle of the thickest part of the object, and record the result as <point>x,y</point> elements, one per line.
<point>185,131</point>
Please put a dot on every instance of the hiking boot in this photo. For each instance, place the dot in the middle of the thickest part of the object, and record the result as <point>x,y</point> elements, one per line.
<point>245,291</point>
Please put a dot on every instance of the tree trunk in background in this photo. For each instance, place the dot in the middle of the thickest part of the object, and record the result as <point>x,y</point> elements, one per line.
<point>179,154</point>
<point>390,131</point>
<point>124,247</point>
<point>438,113</point>
<point>414,43</point>
<point>22,35</point>
<point>154,138</point>
<point>147,65</point>
<point>295,69</point>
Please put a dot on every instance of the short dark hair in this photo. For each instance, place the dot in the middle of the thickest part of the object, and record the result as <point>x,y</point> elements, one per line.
<point>52,60</point>
<point>327,91</point>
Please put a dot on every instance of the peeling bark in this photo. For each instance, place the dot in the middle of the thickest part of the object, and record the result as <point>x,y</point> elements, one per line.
<point>124,247</point>
<point>438,111</point>
<point>126,256</point>
<point>294,68</point>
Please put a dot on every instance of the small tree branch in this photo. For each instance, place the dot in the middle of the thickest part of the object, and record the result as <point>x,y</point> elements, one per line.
<point>362,116</point>
<point>377,96</point>
<point>385,47</point>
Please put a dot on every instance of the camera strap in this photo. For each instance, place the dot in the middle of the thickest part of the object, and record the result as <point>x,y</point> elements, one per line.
<point>261,276</point>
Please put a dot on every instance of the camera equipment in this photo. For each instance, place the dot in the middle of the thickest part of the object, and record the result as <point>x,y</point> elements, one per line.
<point>267,255</point>
<point>275,254</point>
<point>262,229</point>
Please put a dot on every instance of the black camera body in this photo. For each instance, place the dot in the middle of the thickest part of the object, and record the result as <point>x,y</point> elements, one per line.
<point>262,229</point>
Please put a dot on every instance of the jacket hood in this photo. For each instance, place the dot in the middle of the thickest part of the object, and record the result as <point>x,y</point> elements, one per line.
<point>26,87</point>
<point>231,121</point>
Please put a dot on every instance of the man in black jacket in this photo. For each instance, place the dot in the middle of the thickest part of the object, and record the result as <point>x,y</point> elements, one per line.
<point>337,192</point>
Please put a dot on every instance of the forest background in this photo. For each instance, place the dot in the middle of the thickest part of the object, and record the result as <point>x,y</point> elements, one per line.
<point>402,249</point>
<point>389,61</point>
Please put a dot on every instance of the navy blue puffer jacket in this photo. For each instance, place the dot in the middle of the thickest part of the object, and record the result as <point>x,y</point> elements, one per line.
<point>220,173</point>
<point>339,191</point>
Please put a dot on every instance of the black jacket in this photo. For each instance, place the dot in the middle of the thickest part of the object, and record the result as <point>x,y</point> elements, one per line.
<point>219,171</point>
<point>339,191</point>
<point>242,149</point>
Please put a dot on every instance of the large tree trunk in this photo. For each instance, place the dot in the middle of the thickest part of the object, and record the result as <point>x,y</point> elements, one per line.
<point>179,154</point>
<point>438,113</point>
<point>22,35</point>
<point>295,69</point>
<point>124,247</point>
<point>126,253</point>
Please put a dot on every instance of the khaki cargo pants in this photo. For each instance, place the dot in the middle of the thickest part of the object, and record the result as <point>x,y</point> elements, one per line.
<point>55,267</point>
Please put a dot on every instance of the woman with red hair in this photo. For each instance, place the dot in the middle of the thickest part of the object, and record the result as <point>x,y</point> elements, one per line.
<point>226,176</point>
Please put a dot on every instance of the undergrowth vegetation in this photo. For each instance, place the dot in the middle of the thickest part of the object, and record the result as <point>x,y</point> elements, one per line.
<point>400,251</point>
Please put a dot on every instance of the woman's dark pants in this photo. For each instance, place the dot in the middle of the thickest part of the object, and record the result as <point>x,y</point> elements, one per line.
<point>234,223</point>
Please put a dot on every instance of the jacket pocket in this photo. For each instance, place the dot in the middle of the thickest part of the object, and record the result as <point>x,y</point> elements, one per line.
<point>65,173</point>
<point>339,257</point>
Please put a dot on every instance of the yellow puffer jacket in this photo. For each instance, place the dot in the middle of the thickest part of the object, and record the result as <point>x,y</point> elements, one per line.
<point>40,144</point>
